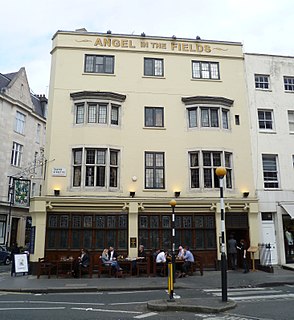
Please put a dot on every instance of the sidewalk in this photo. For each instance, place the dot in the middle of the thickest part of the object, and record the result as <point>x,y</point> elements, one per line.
<point>210,279</point>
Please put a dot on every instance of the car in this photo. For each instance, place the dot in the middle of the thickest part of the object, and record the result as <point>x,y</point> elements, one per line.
<point>5,255</point>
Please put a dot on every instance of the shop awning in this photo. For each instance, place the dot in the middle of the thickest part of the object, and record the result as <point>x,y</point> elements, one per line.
<point>289,208</point>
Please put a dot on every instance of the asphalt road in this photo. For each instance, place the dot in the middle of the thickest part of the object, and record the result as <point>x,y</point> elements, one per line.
<point>252,304</point>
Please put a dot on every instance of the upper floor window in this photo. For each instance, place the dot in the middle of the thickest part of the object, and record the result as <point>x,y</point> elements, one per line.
<point>16,154</point>
<point>102,113</point>
<point>99,64</point>
<point>153,117</point>
<point>38,133</point>
<point>270,171</point>
<point>99,166</point>
<point>97,107</point>
<point>20,119</point>
<point>203,165</point>
<point>289,83</point>
<point>291,120</point>
<point>154,170</point>
<point>153,67</point>
<point>205,70</point>
<point>209,117</point>
<point>265,119</point>
<point>262,82</point>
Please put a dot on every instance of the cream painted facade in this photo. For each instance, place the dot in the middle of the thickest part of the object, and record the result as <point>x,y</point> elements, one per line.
<point>175,93</point>
<point>276,139</point>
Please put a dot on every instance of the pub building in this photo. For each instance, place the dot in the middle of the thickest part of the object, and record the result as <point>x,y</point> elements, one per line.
<point>135,121</point>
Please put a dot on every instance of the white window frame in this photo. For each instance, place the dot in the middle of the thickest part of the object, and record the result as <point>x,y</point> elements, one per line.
<point>291,120</point>
<point>16,154</point>
<point>195,116</point>
<point>262,82</point>
<point>205,70</point>
<point>207,170</point>
<point>289,84</point>
<point>154,117</point>
<point>85,172</point>
<point>20,120</point>
<point>270,171</point>
<point>266,123</point>
<point>92,112</point>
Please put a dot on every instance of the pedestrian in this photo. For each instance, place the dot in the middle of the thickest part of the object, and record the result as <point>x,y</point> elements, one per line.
<point>232,252</point>
<point>243,250</point>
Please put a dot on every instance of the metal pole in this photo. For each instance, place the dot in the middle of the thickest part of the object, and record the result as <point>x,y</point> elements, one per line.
<point>223,252</point>
<point>173,245</point>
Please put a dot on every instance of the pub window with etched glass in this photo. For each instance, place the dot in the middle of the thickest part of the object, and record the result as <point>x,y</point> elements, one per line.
<point>103,113</point>
<point>98,166</point>
<point>208,117</point>
<point>154,170</point>
<point>192,230</point>
<point>90,231</point>
<point>205,70</point>
<point>99,64</point>
<point>203,165</point>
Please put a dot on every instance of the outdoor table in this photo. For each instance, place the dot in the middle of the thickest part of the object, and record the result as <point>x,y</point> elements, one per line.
<point>64,267</point>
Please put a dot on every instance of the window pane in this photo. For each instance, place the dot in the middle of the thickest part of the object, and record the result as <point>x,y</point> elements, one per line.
<point>102,113</point>
<point>196,70</point>
<point>192,118</point>
<point>204,118</point>
<point>92,109</point>
<point>114,114</point>
<point>214,118</point>
<point>225,119</point>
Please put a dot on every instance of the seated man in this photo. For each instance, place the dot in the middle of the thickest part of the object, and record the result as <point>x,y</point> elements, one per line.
<point>83,261</point>
<point>161,260</point>
<point>188,261</point>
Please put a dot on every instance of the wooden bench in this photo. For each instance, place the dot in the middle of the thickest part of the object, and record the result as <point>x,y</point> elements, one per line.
<point>45,267</point>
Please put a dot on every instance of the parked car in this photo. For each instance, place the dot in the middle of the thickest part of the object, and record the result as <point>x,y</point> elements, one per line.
<point>5,255</point>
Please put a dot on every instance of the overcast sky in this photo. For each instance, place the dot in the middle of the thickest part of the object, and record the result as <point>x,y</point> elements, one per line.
<point>27,26</point>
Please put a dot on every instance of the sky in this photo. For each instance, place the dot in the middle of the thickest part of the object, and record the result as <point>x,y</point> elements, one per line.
<point>27,26</point>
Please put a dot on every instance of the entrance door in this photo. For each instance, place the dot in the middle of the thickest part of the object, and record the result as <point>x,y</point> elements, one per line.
<point>269,236</point>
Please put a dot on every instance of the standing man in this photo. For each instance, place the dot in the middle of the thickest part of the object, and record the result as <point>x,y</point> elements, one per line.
<point>232,252</point>
<point>243,250</point>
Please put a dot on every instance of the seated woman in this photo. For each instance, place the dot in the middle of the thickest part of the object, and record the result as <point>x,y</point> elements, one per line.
<point>113,263</point>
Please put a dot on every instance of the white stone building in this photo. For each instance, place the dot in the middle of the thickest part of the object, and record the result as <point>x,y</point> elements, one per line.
<point>270,81</point>
<point>22,135</point>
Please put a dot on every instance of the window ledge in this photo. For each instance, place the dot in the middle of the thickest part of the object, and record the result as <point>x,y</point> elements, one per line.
<point>98,74</point>
<point>154,128</point>
<point>205,79</point>
<point>259,89</point>
<point>154,190</point>
<point>153,77</point>
<point>267,131</point>
<point>289,91</point>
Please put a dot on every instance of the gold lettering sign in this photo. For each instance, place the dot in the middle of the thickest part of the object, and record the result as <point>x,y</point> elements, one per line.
<point>173,46</point>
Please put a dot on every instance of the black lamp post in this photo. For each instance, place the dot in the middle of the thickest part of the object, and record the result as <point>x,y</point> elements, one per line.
<point>221,172</point>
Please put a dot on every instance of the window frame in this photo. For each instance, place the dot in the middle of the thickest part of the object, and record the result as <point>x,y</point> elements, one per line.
<point>291,120</point>
<point>199,73</point>
<point>95,63</point>
<point>289,83</point>
<point>16,154</point>
<point>270,177</point>
<point>262,82</point>
<point>154,72</point>
<point>152,172</point>
<point>150,120</point>
<point>265,123</point>
<point>219,111</point>
<point>206,177</point>
<point>94,167</point>
<point>20,121</point>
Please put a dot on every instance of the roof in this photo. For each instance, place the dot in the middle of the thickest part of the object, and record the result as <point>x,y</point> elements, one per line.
<point>39,101</point>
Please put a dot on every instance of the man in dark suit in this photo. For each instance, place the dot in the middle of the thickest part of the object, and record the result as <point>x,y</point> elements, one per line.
<point>112,254</point>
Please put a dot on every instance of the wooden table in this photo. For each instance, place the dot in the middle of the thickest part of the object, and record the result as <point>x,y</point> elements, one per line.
<point>64,268</point>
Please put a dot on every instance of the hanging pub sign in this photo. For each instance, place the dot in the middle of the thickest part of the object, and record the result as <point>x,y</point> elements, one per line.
<point>21,192</point>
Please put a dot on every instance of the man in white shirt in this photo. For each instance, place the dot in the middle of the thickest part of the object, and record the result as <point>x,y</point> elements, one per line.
<point>161,261</point>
